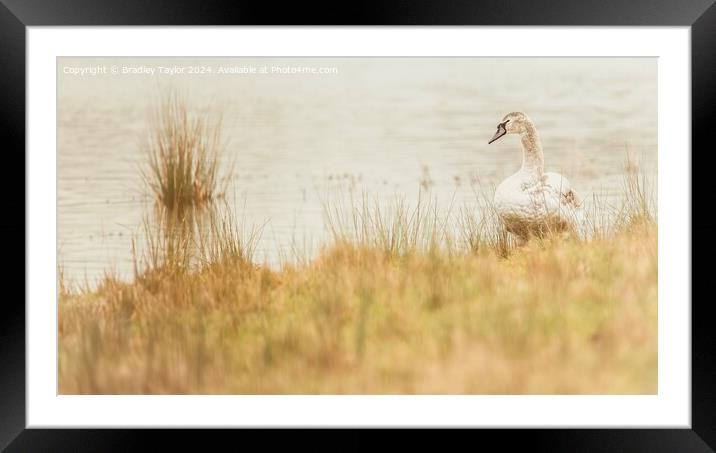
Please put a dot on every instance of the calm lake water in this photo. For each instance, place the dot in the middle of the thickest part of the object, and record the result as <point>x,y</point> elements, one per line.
<point>379,125</point>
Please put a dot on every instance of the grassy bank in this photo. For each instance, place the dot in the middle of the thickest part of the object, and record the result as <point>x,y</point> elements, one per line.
<point>387,307</point>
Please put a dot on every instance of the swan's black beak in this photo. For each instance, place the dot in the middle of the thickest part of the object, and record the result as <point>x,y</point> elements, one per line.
<point>500,132</point>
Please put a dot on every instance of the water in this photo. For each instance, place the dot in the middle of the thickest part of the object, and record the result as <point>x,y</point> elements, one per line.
<point>380,125</point>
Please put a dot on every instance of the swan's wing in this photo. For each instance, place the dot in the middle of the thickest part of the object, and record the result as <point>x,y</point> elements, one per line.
<point>561,187</point>
<point>565,200</point>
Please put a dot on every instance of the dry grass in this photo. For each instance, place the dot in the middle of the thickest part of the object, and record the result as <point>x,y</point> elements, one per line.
<point>638,207</point>
<point>396,304</point>
<point>395,228</point>
<point>184,149</point>
<point>181,241</point>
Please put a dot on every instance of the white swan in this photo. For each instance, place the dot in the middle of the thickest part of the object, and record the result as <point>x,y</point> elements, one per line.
<point>532,201</point>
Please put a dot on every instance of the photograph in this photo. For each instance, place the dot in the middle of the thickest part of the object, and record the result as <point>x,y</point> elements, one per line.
<point>357,225</point>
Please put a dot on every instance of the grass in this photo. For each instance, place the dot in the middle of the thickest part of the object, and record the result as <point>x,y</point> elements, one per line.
<point>176,242</point>
<point>184,149</point>
<point>396,228</point>
<point>637,208</point>
<point>396,303</point>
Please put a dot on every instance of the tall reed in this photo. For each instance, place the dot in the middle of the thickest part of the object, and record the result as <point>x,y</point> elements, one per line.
<point>184,149</point>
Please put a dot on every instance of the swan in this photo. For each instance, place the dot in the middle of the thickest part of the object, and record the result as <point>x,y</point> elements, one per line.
<point>532,202</point>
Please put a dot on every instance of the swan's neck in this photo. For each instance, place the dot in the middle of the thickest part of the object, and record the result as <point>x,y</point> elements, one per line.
<point>532,157</point>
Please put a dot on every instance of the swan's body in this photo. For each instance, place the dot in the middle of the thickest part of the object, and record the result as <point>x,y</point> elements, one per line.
<point>532,201</point>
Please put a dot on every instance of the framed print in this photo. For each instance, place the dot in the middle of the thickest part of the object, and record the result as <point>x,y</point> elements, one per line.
<point>484,220</point>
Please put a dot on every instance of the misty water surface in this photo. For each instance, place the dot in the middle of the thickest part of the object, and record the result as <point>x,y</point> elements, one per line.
<point>386,126</point>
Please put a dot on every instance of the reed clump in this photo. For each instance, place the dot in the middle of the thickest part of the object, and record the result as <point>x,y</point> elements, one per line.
<point>184,148</point>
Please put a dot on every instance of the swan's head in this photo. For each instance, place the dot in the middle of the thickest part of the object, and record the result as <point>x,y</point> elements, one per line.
<point>512,123</point>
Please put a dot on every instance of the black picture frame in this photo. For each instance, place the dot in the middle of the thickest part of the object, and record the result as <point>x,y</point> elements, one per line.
<point>700,15</point>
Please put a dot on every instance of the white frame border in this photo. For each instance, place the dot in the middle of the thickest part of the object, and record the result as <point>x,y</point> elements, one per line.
<point>670,408</point>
